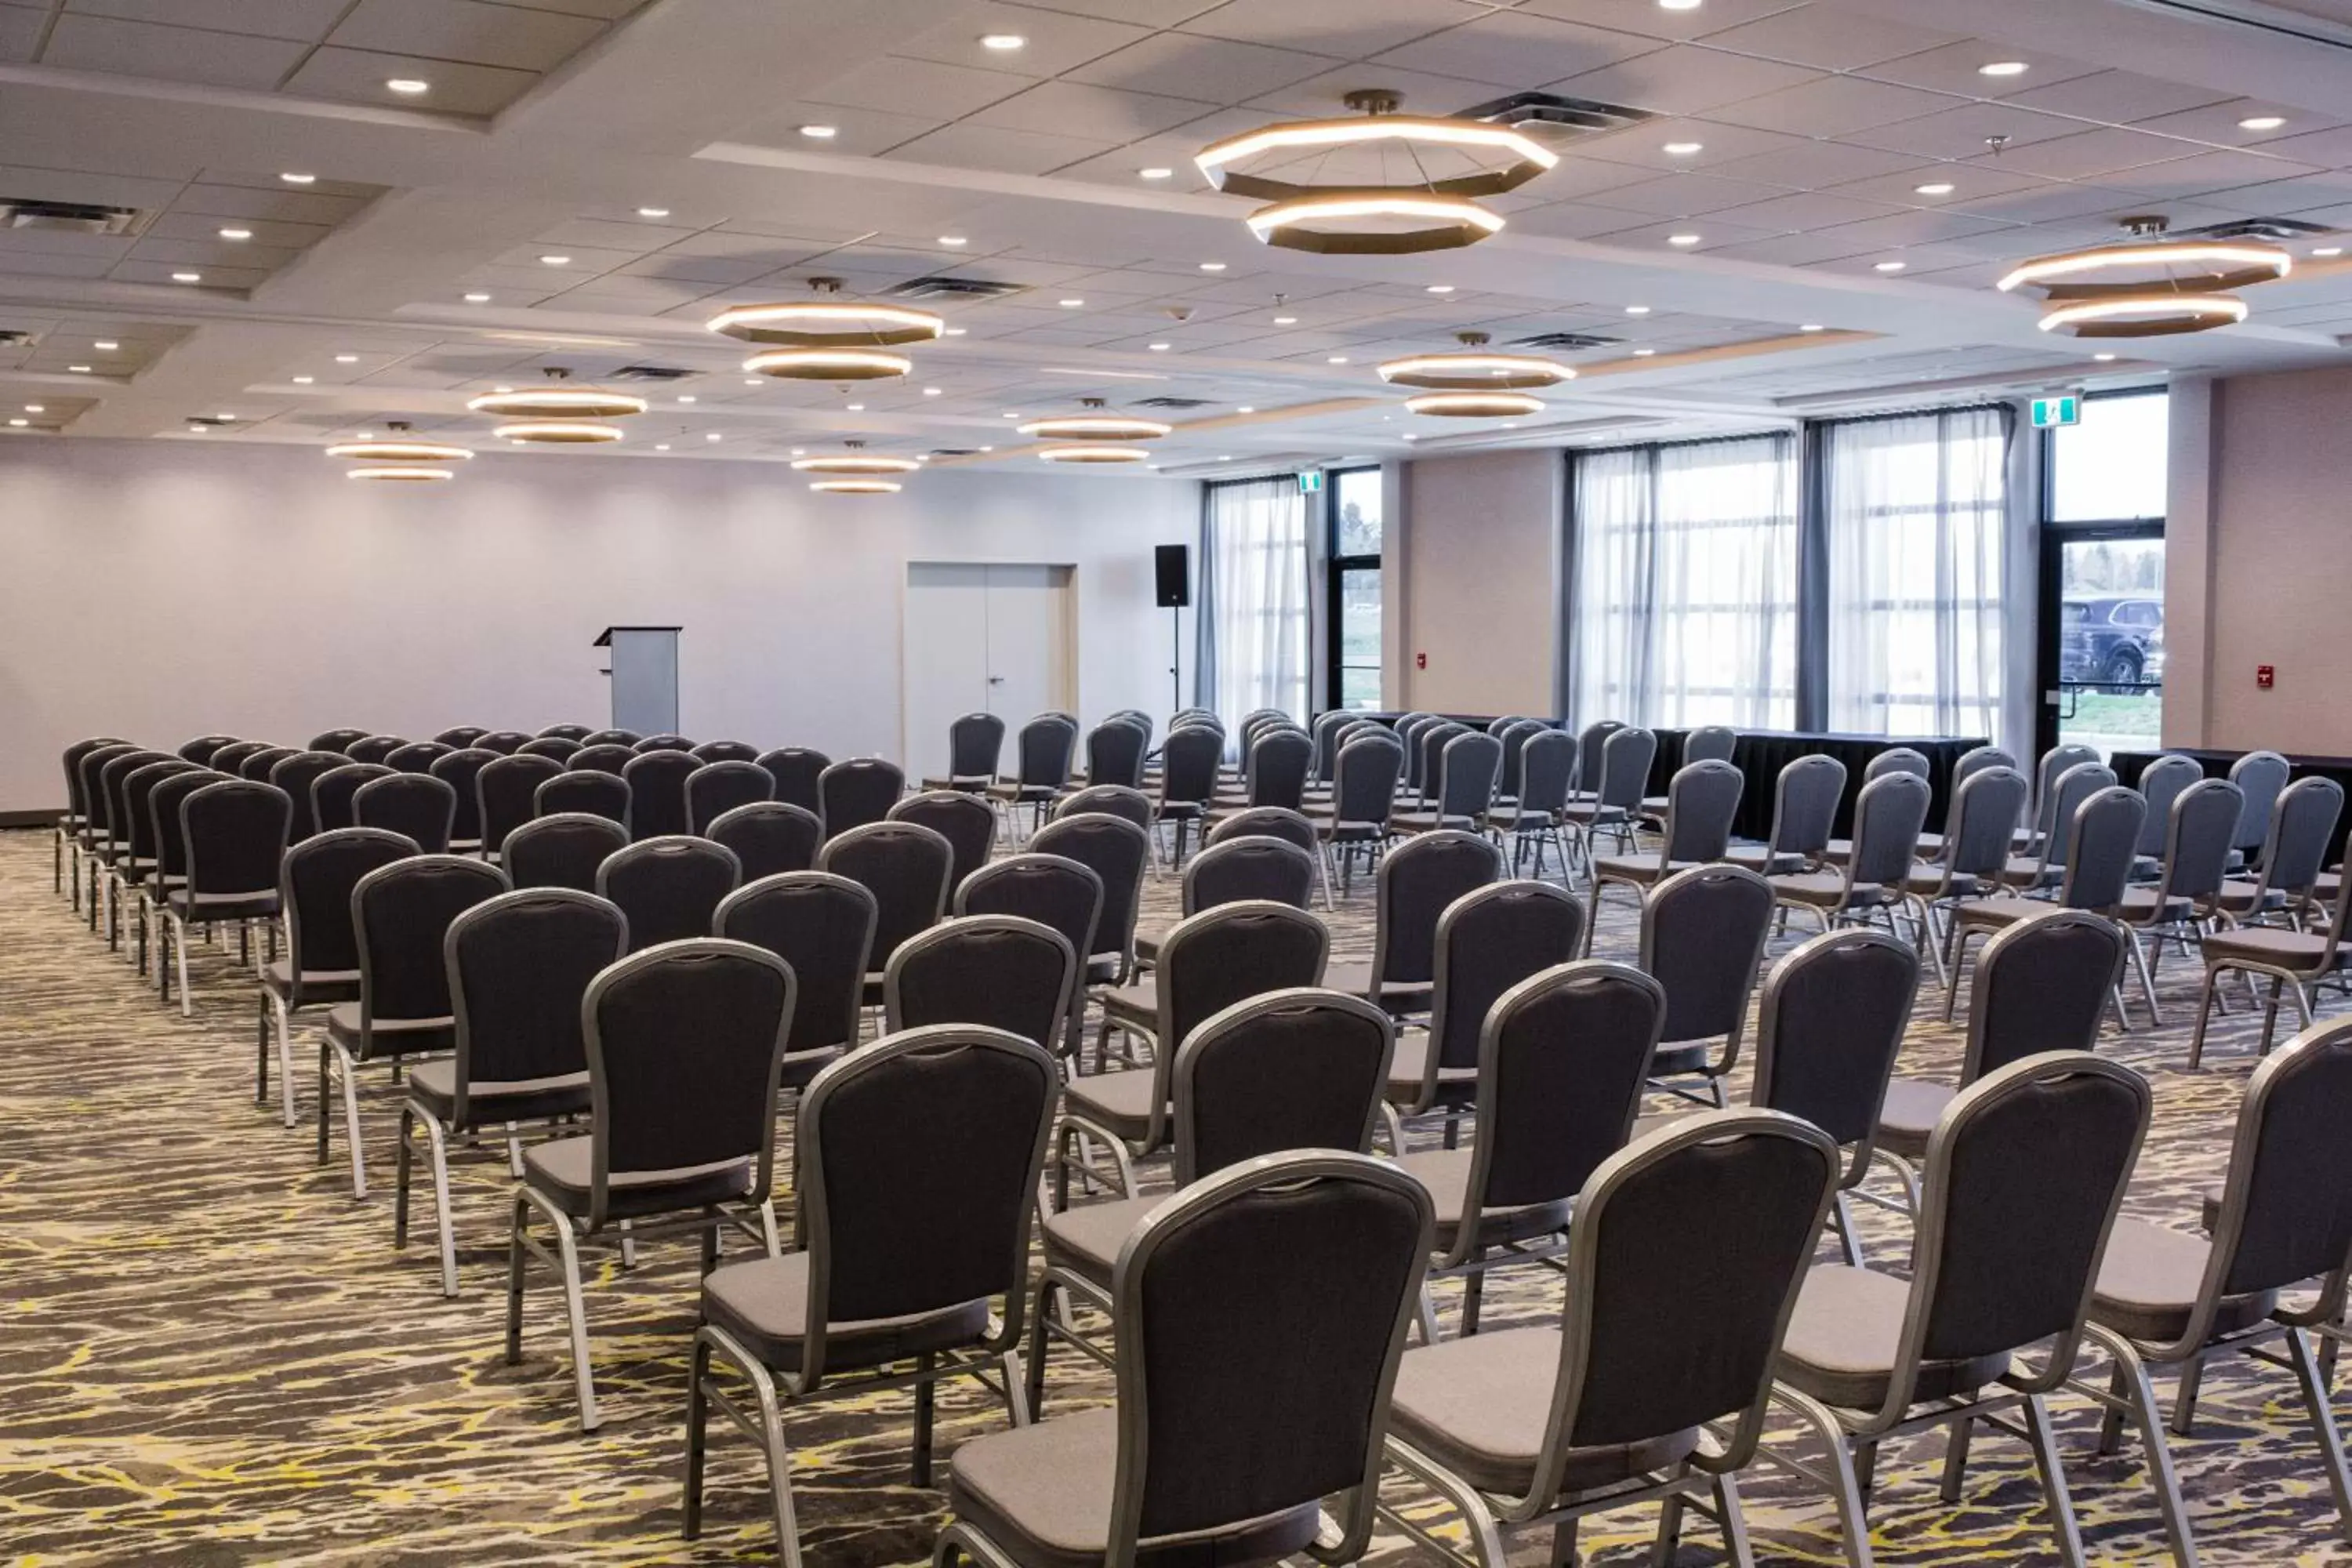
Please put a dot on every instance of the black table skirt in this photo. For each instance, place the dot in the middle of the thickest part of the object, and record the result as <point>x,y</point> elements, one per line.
<point>2129,765</point>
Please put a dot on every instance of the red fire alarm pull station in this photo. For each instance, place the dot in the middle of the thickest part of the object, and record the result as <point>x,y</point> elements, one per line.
<point>2265,677</point>
<point>1420,661</point>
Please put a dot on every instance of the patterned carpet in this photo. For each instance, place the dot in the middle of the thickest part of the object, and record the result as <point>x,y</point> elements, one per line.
<point>212,1355</point>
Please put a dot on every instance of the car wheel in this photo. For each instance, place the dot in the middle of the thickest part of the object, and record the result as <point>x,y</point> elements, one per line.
<point>2120,674</point>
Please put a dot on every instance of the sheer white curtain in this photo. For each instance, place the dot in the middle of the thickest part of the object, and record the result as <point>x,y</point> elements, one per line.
<point>1253,617</point>
<point>1685,609</point>
<point>1916,529</point>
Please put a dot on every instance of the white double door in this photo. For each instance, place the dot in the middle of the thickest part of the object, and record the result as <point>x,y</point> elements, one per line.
<point>994,639</point>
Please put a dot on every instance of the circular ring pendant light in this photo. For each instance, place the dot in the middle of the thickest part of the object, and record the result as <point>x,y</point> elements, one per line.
<point>856,488</point>
<point>828,321</point>
<point>1379,183</point>
<point>1095,425</point>
<point>399,447</point>
<point>403,473</point>
<point>1094,452</point>
<point>2148,286</point>
<point>559,400</point>
<point>828,365</point>
<point>856,460</point>
<point>1475,405</point>
<point>1475,369</point>
<point>558,432</point>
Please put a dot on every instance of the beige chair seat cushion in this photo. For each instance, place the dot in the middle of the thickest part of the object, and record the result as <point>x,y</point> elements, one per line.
<point>317,985</point>
<point>1425,821</point>
<point>1446,1173</point>
<point>1842,1339</point>
<point>1354,976</point>
<point>1137,1002</point>
<point>564,1171</point>
<point>1042,1494</point>
<point>1759,859</point>
<point>434,1086</point>
<point>2244,895</point>
<point>1118,1102</point>
<point>2028,871</point>
<point>1641,868</point>
<point>1409,1067</point>
<point>1085,1240</point>
<point>764,1303</point>
<point>1825,891</point>
<point>392,1037</point>
<point>1912,1109</point>
<point>1479,1407</point>
<point>2276,946</point>
<point>2142,907</point>
<point>1929,882</point>
<point>2001,911</point>
<point>2148,1282</point>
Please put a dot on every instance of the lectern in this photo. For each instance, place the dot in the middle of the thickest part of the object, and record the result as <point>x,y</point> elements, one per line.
<point>645,677</point>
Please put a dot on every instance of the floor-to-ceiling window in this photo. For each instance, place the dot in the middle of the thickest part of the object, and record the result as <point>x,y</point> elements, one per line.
<point>1352,665</point>
<point>1684,583</point>
<point>2102,645</point>
<point>1253,617</point>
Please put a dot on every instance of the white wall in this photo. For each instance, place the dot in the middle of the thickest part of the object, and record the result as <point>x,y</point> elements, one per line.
<point>1479,591</point>
<point>159,590</point>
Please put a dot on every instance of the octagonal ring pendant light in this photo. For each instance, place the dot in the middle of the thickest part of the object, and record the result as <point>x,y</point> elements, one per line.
<point>560,401</point>
<point>857,487</point>
<point>389,458</point>
<point>1378,184</point>
<point>854,472</point>
<point>1096,424</point>
<point>403,473</point>
<point>826,320</point>
<point>1473,405</point>
<point>828,365</point>
<point>1094,452</point>
<point>2147,286</point>
<point>1475,369</point>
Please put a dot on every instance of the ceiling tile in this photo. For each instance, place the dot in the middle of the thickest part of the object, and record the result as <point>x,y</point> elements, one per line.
<point>307,20</point>
<point>1093,113</point>
<point>858,132</point>
<point>2218,122</point>
<point>1979,178</point>
<point>1807,210</point>
<point>177,225</point>
<point>1797,250</point>
<point>2041,203</point>
<point>2090,154</point>
<point>2280,198</point>
<point>993,147</point>
<point>1423,93</point>
<point>607,234</point>
<point>586,260</point>
<point>602,10</point>
<point>1570,220</point>
<point>2116,98</point>
<point>2330,149</point>
<point>466,30</point>
<point>280,205</point>
<point>457,88</point>
<point>1954,68</point>
<point>1143,13</point>
<point>2214,171</point>
<point>1811,166</point>
<point>20,33</point>
<point>1182,66</point>
<point>1916,227</point>
<point>1644,145</point>
<point>1963,132</point>
<point>1650,20</point>
<point>1713,233</point>
<point>1684,195</point>
<point>1834,106</point>
<point>1518,49</point>
<point>1057,41</point>
<point>1350,30</point>
<point>1829,37</point>
<point>169,54</point>
<point>922,87</point>
<point>1686,78</point>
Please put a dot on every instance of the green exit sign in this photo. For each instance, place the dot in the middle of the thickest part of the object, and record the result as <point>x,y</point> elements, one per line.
<point>1310,481</point>
<point>2050,411</point>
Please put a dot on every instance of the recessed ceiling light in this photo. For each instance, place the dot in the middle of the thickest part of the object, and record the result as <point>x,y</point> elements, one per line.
<point>408,86</point>
<point>820,132</point>
<point>1411,436</point>
<point>36,408</point>
<point>685,397</point>
<point>305,380</point>
<point>2262,122</point>
<point>1440,289</point>
<point>652,212</point>
<point>295,179</point>
<point>1890,265</point>
<point>1684,149</point>
<point>1072,304</point>
<point>2002,67</point>
<point>78,369</point>
<point>1810,327</point>
<point>347,359</point>
<point>1643,353</point>
<point>1637,310</point>
<point>187,277</point>
<point>1679,5</point>
<point>1224,456</point>
<point>1684,240</point>
<point>953,241</point>
<point>105,345</point>
<point>234,234</point>
<point>478,297</point>
<point>661,446</point>
<point>931,391</point>
<point>955,332</point>
<point>2328,250</point>
<point>1213,266</point>
<point>1012,413</point>
<point>1155,173</point>
<point>800,451</point>
<point>1157,348</point>
<point>1002,42</point>
<point>1933,188</point>
<point>555,260</point>
<point>855,407</point>
<point>1337,359</point>
<point>2103,357</point>
<point>714,436</point>
<point>988,449</point>
<point>1509,425</point>
<point>751,380</point>
<point>1245,408</point>
<point>226,418</point>
<point>1286,320</point>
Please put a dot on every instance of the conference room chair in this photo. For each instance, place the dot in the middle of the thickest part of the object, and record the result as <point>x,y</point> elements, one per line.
<point>1618,779</point>
<point>1368,775</point>
<point>1042,752</point>
<point>461,770</point>
<point>332,792</point>
<point>1115,850</point>
<point>1264,821</point>
<point>822,926</point>
<point>575,732</point>
<point>857,793</point>
<point>460,736</point>
<point>1805,797</point>
<point>295,775</point>
<point>796,770</point>
<point>234,833</point>
<point>1427,745</point>
<point>1657,1382</point>
<point>1702,938</point>
<point>2044,867</point>
<point>656,781</point>
<point>668,887</point>
<point>2100,843</point>
<point>1893,762</point>
<point>66,833</point>
<point>230,759</point>
<point>1707,743</point>
<point>520,965</point>
<point>113,842</point>
<point>1327,730</point>
<point>503,743</point>
<point>136,863</point>
<point>256,766</point>
<point>602,758</point>
<point>2263,776</point>
<point>88,766</point>
<point>321,964</point>
<point>201,749</point>
<point>2174,1301</point>
<point>1698,806</point>
<point>170,873</point>
<point>1207,964</point>
<point>1971,763</point>
<point>2190,874</point>
<point>1532,797</point>
<point>2041,985</point>
<point>1233,783</point>
<point>2160,783</point>
<point>416,757</point>
<point>559,749</point>
<point>975,750</point>
<point>416,805</point>
<point>2049,814</point>
<point>2294,847</point>
<point>1115,752</point>
<point>918,1168</point>
<point>1281,758</point>
<point>1000,972</point>
<point>1273,1299</point>
<point>1468,764</point>
<point>1291,1069</point>
<point>726,752</point>
<point>1114,800</point>
<point>718,788</point>
<point>587,791</point>
<point>337,741</point>
<point>1592,741</point>
<point>1488,941</point>
<point>2295,961</point>
<point>1236,871</point>
<point>1189,761</point>
<point>966,821</point>
<point>2025,1171</point>
<point>1409,728</point>
<point>768,837</point>
<point>1417,881</point>
<point>1515,737</point>
<point>615,737</point>
<point>506,795</point>
<point>665,742</point>
<point>685,1046</point>
<point>1063,896</point>
<point>1874,882</point>
<point>906,867</point>
<point>401,914</point>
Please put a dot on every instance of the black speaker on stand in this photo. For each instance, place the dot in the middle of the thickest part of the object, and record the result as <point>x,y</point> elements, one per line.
<point>1172,574</point>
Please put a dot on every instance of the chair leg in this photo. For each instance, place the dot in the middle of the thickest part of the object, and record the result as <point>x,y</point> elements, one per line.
<point>575,1312</point>
<point>348,1071</point>
<point>1849,1245</point>
<point>179,957</point>
<point>1040,1338</point>
<point>697,1438</point>
<point>285,1061</point>
<point>438,1143</point>
<point>2045,1443</point>
<point>926,1408</point>
<point>1733,1521</point>
<point>2323,1426</point>
<point>401,1163</point>
<point>262,1049</point>
<point>2184,1401</point>
<point>2146,980</point>
<point>1670,1526</point>
<point>1853,1519</point>
<point>1323,873</point>
<point>2128,1383</point>
<point>1956,1459</point>
<point>1474,1292</point>
<point>2205,1000</point>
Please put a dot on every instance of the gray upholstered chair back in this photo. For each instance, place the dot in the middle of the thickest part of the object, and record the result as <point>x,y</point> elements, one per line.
<point>462,770</point>
<point>965,821</point>
<point>502,743</point>
<point>555,748</point>
<point>1591,743</point>
<point>1703,935</point>
<point>796,770</point>
<point>295,775</point>
<point>1280,762</point>
<point>335,741</point>
<point>565,732</point>
<point>769,836</point>
<point>461,734</point>
<point>1985,813</point>
<point>2074,786</point>
<point>2042,986</point>
<point>1265,822</point>
<point>666,742</point>
<point>561,850</point>
<point>1829,1029</point>
<point>1417,882</point>
<point>416,805</point>
<point>136,834</point>
<point>656,781</point>
<point>1043,750</point>
<point>257,766</point>
<point>2160,783</point>
<point>1115,751</point>
<point>1000,972</point>
<point>1116,851</point>
<point>314,885</point>
<point>606,758</point>
<point>726,752</point>
<point>1887,821</point>
<point>163,803</point>
<point>975,748</point>
<point>1245,867</point>
<point>1661,1339</point>
<point>506,795</point>
<point>1709,743</point>
<point>367,749</point>
<point>2286,1213</point>
<point>1489,940</point>
<point>1326,731</point>
<point>1547,768</point>
<point>1230,954</point>
<point>1515,736</point>
<point>91,769</point>
<point>1978,758</point>
<point>668,887</point>
<point>519,967</point>
<point>718,788</point>
<point>2262,775</point>
<point>1112,800</point>
<point>2055,764</point>
<point>686,1047</point>
<point>1891,760</point>
<point>1298,1068</point>
<point>1702,799</point>
<point>855,793</point>
<point>2297,839</point>
<point>1262,1311</point>
<point>822,927</point>
<point>1409,730</point>
<point>401,914</point>
<point>1804,805</point>
<point>2201,821</point>
<point>108,798</point>
<point>1428,742</point>
<point>1467,772</point>
<point>235,833</point>
<point>585,791</point>
<point>1057,892</point>
<point>2105,840</point>
<point>612,737</point>
<point>1371,771</point>
<point>1561,1062</point>
<point>1625,759</point>
<point>416,757</point>
<point>1189,760</point>
<point>905,866</point>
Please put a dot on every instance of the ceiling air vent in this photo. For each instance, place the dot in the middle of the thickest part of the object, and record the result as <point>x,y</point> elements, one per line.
<point>1563,343</point>
<point>1170,402</point>
<point>70,217</point>
<point>955,451</point>
<point>1547,112</point>
<point>937,287</point>
<point>2275,229</point>
<point>11,339</point>
<point>651,372</point>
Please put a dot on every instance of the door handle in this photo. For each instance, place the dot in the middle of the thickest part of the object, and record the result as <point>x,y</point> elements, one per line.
<point>996,681</point>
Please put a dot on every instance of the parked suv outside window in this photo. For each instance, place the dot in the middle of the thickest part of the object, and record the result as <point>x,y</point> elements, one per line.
<point>2115,641</point>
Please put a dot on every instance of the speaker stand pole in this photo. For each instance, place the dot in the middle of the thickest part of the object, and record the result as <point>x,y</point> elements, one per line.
<point>1175,659</point>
